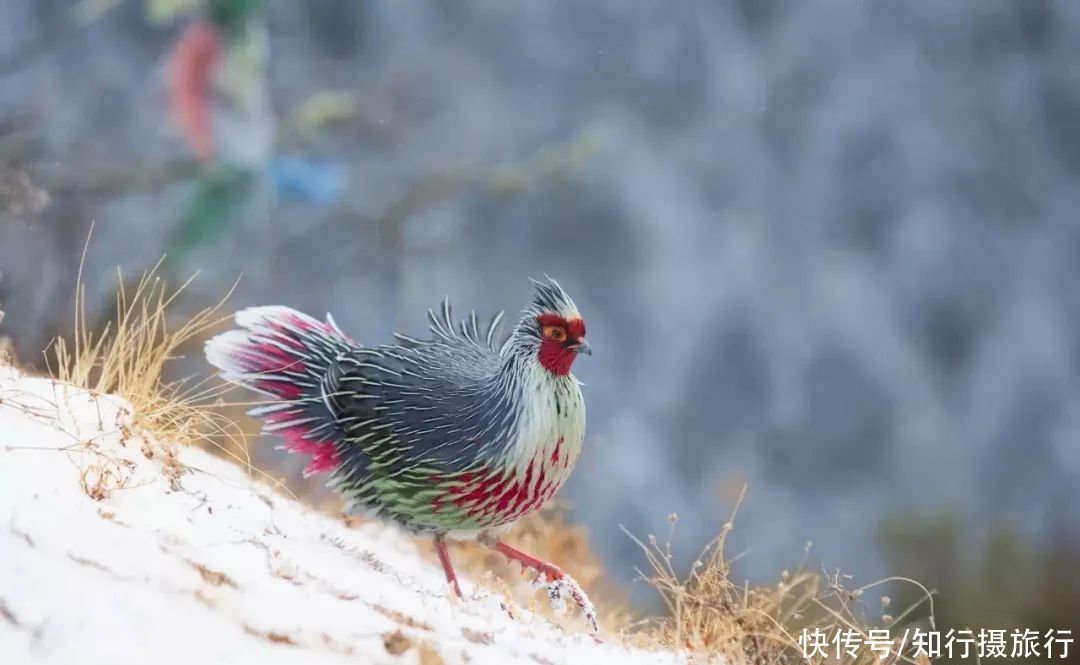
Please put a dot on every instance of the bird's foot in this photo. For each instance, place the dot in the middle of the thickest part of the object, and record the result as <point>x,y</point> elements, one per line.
<point>559,585</point>
<point>562,586</point>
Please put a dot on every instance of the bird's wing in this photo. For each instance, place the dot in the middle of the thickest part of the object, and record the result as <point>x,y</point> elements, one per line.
<point>433,405</point>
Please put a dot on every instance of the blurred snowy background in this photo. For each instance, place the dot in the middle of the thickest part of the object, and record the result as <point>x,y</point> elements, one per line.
<point>829,249</point>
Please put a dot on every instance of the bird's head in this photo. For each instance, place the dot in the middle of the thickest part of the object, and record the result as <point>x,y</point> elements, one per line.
<point>552,328</point>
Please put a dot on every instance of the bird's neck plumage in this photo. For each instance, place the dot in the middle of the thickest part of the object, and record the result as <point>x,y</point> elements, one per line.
<point>550,425</point>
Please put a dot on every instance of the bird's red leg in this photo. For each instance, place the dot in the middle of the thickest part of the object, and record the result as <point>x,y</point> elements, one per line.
<point>549,571</point>
<point>448,568</point>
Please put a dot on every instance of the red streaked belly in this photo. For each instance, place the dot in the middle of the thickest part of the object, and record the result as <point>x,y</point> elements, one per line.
<point>497,496</point>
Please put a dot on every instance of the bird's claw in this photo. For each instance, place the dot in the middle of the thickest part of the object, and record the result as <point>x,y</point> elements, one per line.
<point>558,588</point>
<point>508,609</point>
<point>558,585</point>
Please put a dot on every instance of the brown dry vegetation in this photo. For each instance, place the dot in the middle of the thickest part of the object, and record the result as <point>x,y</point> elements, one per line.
<point>708,614</point>
<point>128,358</point>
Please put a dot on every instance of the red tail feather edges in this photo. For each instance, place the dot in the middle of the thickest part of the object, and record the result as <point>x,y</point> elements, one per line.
<point>283,354</point>
<point>324,456</point>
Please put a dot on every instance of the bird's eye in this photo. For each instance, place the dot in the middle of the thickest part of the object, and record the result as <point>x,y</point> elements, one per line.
<point>556,333</point>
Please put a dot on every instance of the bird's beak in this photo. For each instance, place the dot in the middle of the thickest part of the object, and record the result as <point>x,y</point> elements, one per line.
<point>583,348</point>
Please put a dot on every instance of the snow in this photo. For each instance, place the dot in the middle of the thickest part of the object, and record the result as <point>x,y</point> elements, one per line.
<point>213,567</point>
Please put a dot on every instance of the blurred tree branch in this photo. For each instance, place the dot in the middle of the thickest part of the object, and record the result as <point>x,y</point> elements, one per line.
<point>555,161</point>
<point>108,180</point>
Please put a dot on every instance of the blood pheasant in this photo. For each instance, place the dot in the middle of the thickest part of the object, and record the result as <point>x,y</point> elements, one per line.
<point>459,435</point>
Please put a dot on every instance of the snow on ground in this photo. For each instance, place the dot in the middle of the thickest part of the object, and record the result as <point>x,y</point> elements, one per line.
<point>213,567</point>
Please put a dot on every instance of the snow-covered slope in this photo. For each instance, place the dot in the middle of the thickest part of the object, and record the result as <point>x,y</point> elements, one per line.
<point>212,567</point>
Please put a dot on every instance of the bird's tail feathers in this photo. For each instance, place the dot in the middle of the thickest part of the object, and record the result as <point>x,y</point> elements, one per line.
<point>289,357</point>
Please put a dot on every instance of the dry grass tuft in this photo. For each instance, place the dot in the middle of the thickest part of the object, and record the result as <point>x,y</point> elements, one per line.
<point>99,480</point>
<point>129,357</point>
<point>713,618</point>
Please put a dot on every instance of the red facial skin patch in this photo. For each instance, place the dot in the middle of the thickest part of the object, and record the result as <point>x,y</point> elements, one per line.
<point>555,356</point>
